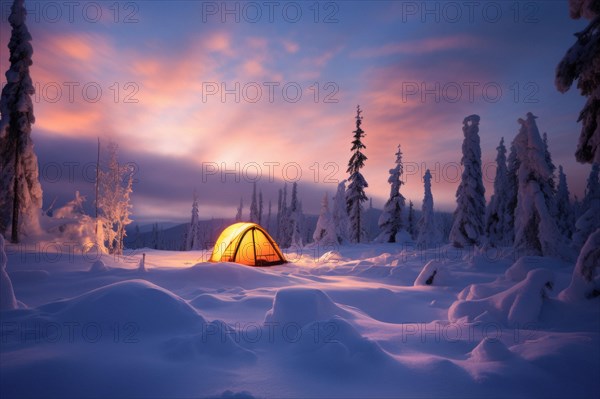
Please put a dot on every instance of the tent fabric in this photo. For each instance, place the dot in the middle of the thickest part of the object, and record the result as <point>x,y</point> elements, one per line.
<point>248,244</point>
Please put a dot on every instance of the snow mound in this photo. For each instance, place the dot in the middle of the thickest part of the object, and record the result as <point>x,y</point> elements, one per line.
<point>99,267</point>
<point>143,306</point>
<point>518,271</point>
<point>490,350</point>
<point>228,275</point>
<point>302,306</point>
<point>28,276</point>
<point>478,291</point>
<point>585,282</point>
<point>216,340</point>
<point>433,273</point>
<point>207,301</point>
<point>372,271</point>
<point>331,256</point>
<point>333,345</point>
<point>520,304</point>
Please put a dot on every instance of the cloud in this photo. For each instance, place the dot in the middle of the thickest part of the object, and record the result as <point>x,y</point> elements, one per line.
<point>421,46</point>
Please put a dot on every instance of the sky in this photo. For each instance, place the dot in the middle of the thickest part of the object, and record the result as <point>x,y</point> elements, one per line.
<point>212,96</point>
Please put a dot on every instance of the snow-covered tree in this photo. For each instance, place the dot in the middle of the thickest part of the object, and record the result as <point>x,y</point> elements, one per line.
<point>564,211</point>
<point>355,193</point>
<point>254,205</point>
<point>536,232</point>
<point>411,220</point>
<point>325,233</point>
<point>469,216</point>
<point>582,63</point>
<point>589,221</point>
<point>591,188</point>
<point>390,221</point>
<point>427,232</point>
<point>20,189</point>
<point>240,210</point>
<point>340,213</point>
<point>551,165</point>
<point>7,294</point>
<point>498,226</point>
<point>115,187</point>
<point>193,233</point>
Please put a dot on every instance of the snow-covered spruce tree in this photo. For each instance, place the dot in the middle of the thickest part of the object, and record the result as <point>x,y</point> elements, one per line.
<point>390,221</point>
<point>589,221</point>
<point>582,63</point>
<point>536,232</point>
<point>468,225</point>
<point>355,193</point>
<point>7,294</point>
<point>340,213</point>
<point>20,189</point>
<point>254,205</point>
<point>325,234</point>
<point>564,211</point>
<point>498,228</point>
<point>427,236</point>
<point>240,210</point>
<point>551,165</point>
<point>115,187</point>
<point>193,233</point>
<point>411,220</point>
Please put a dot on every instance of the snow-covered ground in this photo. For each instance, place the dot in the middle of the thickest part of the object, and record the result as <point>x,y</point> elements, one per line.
<point>361,321</point>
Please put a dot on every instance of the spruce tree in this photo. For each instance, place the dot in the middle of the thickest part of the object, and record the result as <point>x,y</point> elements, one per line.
<point>536,232</point>
<point>427,232</point>
<point>581,63</point>
<point>468,225</point>
<point>565,215</point>
<point>355,193</point>
<point>498,227</point>
<point>20,189</point>
<point>390,221</point>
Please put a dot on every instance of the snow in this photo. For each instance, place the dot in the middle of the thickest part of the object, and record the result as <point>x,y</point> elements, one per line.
<point>586,275</point>
<point>7,295</point>
<point>354,321</point>
<point>433,273</point>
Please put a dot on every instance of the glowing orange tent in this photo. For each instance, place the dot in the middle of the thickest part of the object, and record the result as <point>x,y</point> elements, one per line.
<point>248,244</point>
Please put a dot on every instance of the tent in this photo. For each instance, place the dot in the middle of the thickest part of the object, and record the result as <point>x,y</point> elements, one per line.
<point>248,244</point>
